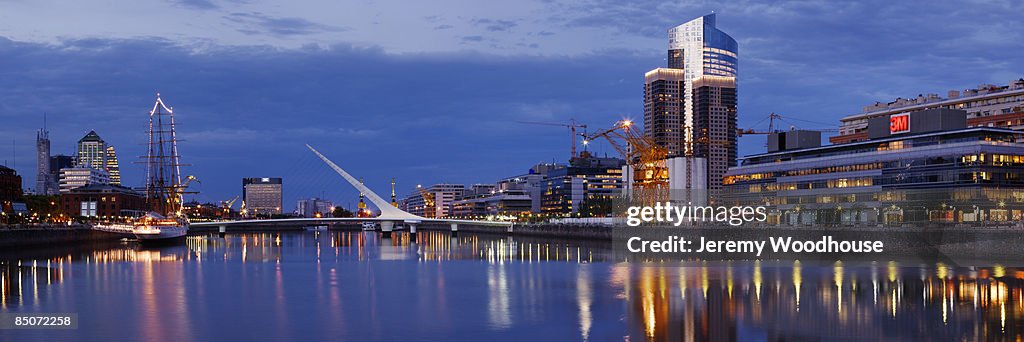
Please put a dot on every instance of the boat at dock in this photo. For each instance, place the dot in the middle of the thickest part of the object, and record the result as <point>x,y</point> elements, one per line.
<point>165,220</point>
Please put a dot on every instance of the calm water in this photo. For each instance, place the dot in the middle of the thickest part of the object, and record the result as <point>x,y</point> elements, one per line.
<point>356,286</point>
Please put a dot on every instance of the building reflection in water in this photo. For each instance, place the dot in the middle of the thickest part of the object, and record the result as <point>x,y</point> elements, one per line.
<point>29,279</point>
<point>696,301</point>
<point>690,301</point>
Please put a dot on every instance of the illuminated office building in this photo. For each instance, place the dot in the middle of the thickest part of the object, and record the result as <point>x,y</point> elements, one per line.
<point>112,167</point>
<point>925,166</point>
<point>434,201</point>
<point>985,106</point>
<point>585,182</point>
<point>262,196</point>
<point>77,177</point>
<point>92,151</point>
<point>691,105</point>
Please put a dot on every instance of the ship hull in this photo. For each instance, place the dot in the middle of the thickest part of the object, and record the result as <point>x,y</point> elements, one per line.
<point>146,234</point>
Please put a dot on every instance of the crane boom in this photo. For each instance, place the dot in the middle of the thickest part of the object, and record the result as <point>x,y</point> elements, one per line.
<point>643,155</point>
<point>572,125</point>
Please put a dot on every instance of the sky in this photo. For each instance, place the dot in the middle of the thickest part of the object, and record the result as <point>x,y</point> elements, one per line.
<point>434,91</point>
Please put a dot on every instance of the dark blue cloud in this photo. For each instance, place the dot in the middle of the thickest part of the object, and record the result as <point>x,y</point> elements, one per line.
<point>495,25</point>
<point>204,5</point>
<point>451,117</point>
<point>196,4</point>
<point>247,111</point>
<point>256,23</point>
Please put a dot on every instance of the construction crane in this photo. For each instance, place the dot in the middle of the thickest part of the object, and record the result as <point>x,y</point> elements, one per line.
<point>773,127</point>
<point>645,157</point>
<point>176,201</point>
<point>226,207</point>
<point>429,210</point>
<point>572,125</point>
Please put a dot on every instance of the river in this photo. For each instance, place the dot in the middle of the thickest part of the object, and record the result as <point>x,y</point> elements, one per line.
<point>353,285</point>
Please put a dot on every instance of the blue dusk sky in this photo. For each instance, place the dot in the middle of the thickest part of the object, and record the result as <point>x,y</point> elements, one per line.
<point>431,91</point>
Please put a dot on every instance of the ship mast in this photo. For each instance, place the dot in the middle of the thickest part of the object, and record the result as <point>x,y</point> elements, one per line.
<point>164,188</point>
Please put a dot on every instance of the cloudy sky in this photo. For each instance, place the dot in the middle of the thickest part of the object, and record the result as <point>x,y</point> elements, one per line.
<point>431,91</point>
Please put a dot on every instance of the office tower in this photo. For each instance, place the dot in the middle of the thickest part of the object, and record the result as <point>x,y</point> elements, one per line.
<point>663,109</point>
<point>112,167</point>
<point>714,126</point>
<point>46,183</point>
<point>92,151</point>
<point>262,196</point>
<point>691,105</point>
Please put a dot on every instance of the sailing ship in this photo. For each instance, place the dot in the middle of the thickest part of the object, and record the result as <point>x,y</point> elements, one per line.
<point>164,186</point>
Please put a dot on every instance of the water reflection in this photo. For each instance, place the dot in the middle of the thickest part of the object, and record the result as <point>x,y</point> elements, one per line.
<point>358,285</point>
<point>29,279</point>
<point>839,301</point>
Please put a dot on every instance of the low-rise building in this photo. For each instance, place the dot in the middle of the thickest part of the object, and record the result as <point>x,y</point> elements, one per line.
<point>510,196</point>
<point>10,188</point>
<point>925,166</point>
<point>103,201</point>
<point>76,177</point>
<point>434,201</point>
<point>314,207</point>
<point>985,106</point>
<point>564,190</point>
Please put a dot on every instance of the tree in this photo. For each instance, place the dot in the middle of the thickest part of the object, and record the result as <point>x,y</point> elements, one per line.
<point>43,206</point>
<point>342,212</point>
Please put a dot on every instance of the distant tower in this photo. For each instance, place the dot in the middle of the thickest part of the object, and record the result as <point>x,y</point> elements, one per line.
<point>394,202</point>
<point>46,184</point>
<point>112,167</point>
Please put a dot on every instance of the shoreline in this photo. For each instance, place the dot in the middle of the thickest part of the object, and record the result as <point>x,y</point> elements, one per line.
<point>45,236</point>
<point>37,235</point>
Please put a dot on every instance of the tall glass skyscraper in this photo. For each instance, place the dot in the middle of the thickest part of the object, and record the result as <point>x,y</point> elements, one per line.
<point>690,107</point>
<point>700,48</point>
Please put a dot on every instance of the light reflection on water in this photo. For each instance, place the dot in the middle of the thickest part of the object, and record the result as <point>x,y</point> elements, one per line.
<point>330,285</point>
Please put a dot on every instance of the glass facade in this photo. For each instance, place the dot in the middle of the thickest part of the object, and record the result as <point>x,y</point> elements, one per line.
<point>690,107</point>
<point>962,176</point>
<point>700,49</point>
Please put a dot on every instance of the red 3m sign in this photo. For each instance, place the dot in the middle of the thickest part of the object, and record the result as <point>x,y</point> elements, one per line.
<point>899,123</point>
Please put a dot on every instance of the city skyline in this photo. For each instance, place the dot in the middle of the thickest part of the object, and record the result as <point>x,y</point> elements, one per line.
<point>339,94</point>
